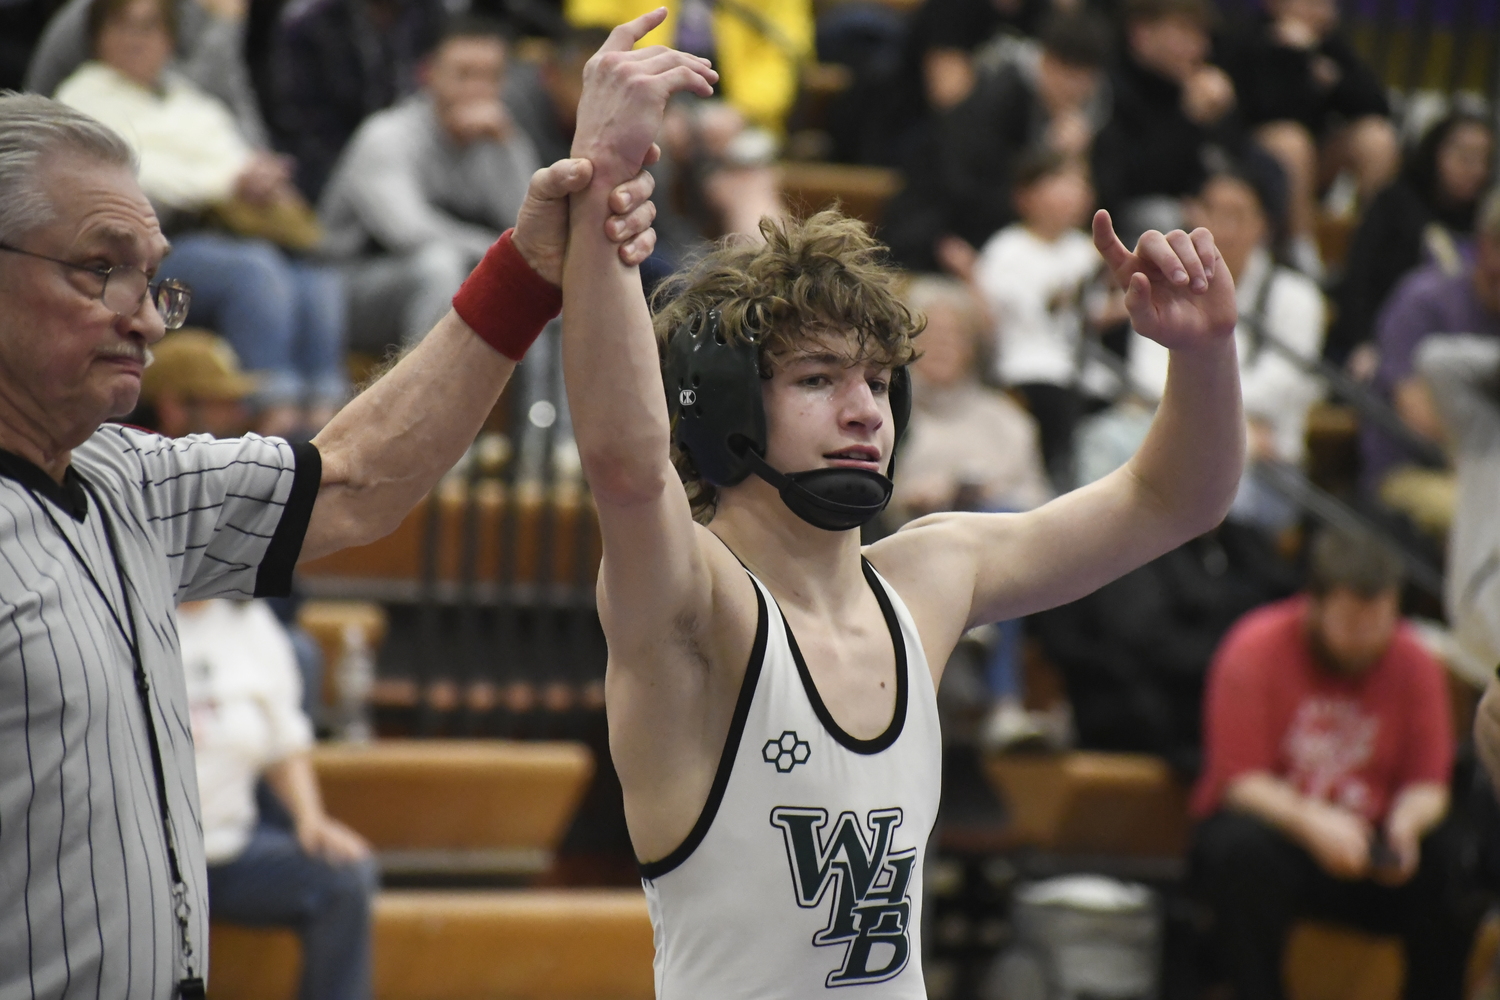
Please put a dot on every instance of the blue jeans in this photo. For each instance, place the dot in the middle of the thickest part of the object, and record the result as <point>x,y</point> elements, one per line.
<point>284,318</point>
<point>274,883</point>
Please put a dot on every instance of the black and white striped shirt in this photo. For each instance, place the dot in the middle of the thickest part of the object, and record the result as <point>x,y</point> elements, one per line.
<point>85,893</point>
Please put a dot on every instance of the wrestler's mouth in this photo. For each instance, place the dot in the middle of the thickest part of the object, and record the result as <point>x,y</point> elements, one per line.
<point>855,457</point>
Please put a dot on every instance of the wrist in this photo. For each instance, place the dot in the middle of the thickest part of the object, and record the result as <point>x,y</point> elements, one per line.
<point>505,301</point>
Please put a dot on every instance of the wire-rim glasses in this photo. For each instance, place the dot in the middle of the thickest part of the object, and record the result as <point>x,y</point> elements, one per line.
<point>125,286</point>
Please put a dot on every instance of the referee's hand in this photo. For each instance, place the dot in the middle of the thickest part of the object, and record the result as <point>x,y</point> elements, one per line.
<point>327,838</point>
<point>541,233</point>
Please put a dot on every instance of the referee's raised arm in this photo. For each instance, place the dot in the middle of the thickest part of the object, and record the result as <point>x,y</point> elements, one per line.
<point>387,448</point>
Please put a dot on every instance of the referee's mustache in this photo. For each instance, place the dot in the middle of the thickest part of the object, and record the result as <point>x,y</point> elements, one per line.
<point>130,349</point>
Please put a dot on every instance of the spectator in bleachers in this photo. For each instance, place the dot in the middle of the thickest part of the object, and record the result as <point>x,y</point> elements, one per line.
<point>425,187</point>
<point>958,181</point>
<point>1171,106</point>
<point>1425,217</point>
<point>1426,302</point>
<point>1316,106</point>
<point>336,62</point>
<point>284,317</point>
<point>1328,745</point>
<point>1244,208</point>
<point>303,869</point>
<point>1133,655</point>
<point>543,96</point>
<point>208,50</point>
<point>1035,276</point>
<point>1462,374</point>
<point>969,447</point>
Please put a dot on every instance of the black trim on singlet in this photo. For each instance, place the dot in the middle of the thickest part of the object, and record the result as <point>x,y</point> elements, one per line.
<point>898,642</point>
<point>656,869</point>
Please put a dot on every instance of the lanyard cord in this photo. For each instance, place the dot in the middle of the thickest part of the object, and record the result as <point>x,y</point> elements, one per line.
<point>143,689</point>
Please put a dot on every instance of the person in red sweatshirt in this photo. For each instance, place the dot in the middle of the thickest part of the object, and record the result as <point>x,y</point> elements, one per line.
<point>1328,746</point>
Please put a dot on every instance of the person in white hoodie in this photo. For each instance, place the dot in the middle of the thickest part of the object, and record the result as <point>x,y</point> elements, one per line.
<point>1240,206</point>
<point>1041,279</point>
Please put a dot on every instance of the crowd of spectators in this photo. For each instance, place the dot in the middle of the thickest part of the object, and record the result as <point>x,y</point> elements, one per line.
<point>329,170</point>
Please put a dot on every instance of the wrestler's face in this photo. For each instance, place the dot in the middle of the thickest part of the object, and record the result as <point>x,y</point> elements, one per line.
<point>824,409</point>
<point>67,361</point>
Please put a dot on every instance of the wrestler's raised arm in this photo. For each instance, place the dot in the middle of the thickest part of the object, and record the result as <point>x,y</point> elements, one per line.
<point>652,569</point>
<point>1177,486</point>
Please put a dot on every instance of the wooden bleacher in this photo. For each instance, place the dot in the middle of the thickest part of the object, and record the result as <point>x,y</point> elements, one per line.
<point>456,805</point>
<point>465,806</point>
<point>511,551</point>
<point>861,191</point>
<point>514,944</point>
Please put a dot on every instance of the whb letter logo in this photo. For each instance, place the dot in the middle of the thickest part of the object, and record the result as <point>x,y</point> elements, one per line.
<point>871,909</point>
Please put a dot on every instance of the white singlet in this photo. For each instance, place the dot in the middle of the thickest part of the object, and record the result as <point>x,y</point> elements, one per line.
<point>803,873</point>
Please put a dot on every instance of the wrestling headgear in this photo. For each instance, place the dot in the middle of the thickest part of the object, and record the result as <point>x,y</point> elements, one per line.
<point>719,418</point>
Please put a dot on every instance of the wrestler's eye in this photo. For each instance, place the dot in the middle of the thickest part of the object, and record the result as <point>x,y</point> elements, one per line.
<point>815,381</point>
<point>879,386</point>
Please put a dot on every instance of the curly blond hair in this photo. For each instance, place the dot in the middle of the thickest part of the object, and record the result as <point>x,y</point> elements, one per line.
<point>825,274</point>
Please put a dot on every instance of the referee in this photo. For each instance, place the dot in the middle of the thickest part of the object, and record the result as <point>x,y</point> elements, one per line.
<point>103,529</point>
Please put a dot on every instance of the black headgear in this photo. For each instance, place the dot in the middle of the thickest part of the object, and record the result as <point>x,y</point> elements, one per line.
<point>719,418</point>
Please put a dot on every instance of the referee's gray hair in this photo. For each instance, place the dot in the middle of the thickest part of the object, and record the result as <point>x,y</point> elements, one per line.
<point>32,129</point>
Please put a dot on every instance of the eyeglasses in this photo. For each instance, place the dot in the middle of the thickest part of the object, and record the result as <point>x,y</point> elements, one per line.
<point>125,286</point>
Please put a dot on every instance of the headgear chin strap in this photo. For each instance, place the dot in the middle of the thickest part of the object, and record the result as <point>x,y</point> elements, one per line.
<point>831,499</point>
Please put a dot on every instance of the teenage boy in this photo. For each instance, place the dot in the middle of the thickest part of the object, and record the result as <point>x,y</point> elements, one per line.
<point>773,721</point>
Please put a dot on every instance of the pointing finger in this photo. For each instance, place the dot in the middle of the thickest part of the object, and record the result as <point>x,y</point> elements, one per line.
<point>1115,254</point>
<point>625,36</point>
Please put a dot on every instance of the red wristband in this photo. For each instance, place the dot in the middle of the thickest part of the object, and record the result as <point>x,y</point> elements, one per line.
<point>505,302</point>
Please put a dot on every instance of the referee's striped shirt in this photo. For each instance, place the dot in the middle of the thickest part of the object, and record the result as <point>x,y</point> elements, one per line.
<point>85,893</point>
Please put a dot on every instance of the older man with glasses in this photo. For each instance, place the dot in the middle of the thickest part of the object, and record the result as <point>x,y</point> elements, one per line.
<point>104,529</point>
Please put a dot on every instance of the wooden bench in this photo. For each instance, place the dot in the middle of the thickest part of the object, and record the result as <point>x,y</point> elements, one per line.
<point>493,806</point>
<point>861,191</point>
<point>518,540</point>
<point>575,944</point>
<point>1093,803</point>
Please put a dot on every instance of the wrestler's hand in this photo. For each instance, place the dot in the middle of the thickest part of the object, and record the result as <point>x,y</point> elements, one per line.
<point>1177,288</point>
<point>625,94</point>
<point>541,233</point>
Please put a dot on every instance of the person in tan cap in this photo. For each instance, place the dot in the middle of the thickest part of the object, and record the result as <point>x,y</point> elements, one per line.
<point>194,385</point>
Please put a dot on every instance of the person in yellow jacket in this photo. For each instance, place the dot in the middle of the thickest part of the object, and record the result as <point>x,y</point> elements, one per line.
<point>758,46</point>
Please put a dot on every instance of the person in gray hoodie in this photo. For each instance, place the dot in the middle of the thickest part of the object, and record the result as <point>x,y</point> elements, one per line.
<point>425,187</point>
